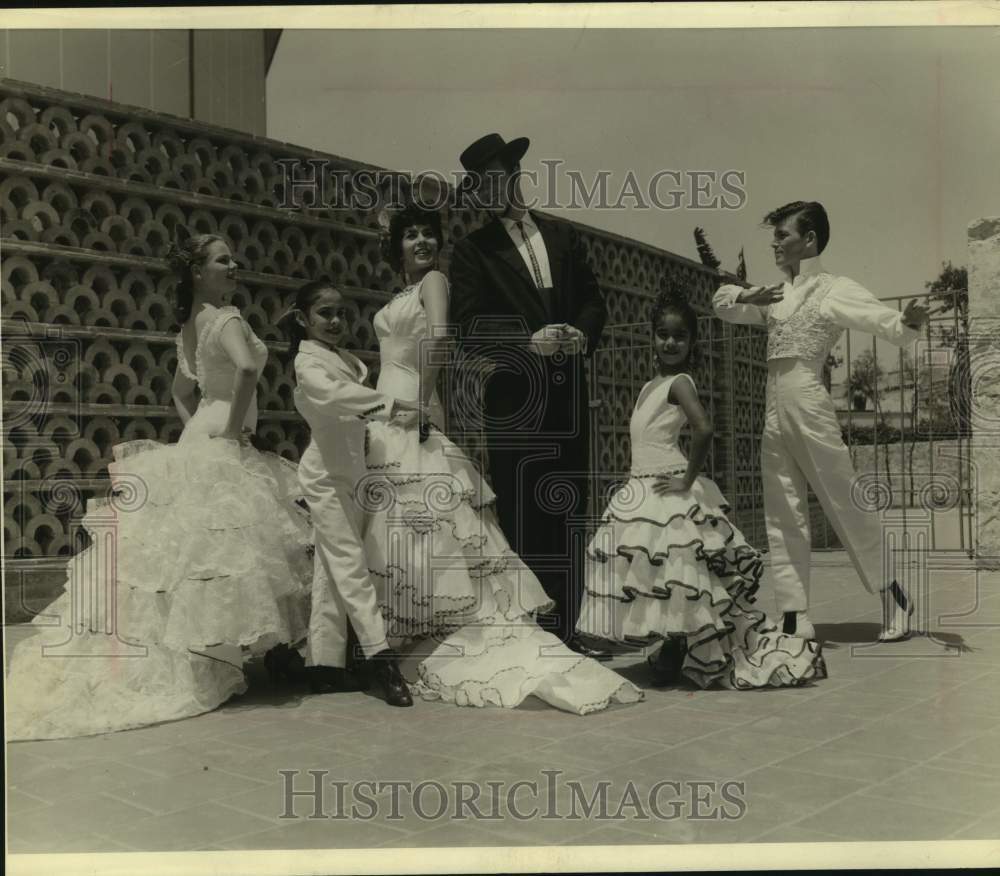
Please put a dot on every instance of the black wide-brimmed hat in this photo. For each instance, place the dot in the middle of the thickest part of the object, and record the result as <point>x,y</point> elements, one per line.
<point>475,158</point>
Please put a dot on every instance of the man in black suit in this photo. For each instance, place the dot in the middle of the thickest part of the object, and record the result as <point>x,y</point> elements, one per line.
<point>525,299</point>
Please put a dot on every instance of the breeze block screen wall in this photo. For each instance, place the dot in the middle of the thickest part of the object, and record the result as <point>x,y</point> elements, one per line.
<point>91,193</point>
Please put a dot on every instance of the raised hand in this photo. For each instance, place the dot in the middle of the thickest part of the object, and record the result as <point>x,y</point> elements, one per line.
<point>405,417</point>
<point>916,314</point>
<point>408,413</point>
<point>761,296</point>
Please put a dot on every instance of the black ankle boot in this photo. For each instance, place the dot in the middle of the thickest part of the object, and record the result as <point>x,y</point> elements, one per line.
<point>793,625</point>
<point>284,664</point>
<point>388,680</point>
<point>666,665</point>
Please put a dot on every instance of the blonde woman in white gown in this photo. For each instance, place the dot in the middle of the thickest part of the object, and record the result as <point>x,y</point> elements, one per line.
<point>199,560</point>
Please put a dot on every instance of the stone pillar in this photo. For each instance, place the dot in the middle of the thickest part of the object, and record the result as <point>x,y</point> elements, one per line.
<point>984,366</point>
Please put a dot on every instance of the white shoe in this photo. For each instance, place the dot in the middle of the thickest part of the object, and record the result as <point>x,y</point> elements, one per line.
<point>797,623</point>
<point>897,608</point>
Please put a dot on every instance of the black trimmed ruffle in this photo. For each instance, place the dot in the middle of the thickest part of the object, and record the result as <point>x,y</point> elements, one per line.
<point>733,642</point>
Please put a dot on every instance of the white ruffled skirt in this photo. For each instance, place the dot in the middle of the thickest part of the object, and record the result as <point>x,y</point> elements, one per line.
<point>673,565</point>
<point>444,569</point>
<point>199,559</point>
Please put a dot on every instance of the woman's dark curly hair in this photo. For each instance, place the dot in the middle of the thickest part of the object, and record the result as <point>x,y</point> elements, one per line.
<point>407,217</point>
<point>673,298</point>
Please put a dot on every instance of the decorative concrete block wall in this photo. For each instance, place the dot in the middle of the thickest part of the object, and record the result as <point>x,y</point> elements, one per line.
<point>91,195</point>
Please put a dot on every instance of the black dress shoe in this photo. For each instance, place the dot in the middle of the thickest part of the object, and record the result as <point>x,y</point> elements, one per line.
<point>576,644</point>
<point>796,623</point>
<point>388,680</point>
<point>665,665</point>
<point>333,679</point>
<point>284,664</point>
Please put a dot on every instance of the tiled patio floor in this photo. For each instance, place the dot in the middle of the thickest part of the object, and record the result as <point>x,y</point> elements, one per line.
<point>902,742</point>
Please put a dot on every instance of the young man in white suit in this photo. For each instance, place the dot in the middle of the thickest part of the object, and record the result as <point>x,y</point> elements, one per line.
<point>802,443</point>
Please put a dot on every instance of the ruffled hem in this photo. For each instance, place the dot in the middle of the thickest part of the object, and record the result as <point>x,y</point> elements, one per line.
<point>439,560</point>
<point>505,590</point>
<point>770,659</point>
<point>204,619</point>
<point>672,566</point>
<point>206,544</point>
<point>502,667</point>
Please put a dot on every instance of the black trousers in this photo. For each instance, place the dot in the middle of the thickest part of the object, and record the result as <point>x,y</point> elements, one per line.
<point>537,434</point>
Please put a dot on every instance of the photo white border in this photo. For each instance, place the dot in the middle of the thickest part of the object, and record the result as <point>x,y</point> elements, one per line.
<point>523,859</point>
<point>821,13</point>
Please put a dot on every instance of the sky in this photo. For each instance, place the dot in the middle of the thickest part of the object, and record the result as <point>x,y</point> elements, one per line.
<point>895,130</point>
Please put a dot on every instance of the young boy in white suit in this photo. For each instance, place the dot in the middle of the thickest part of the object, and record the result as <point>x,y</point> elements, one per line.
<point>802,444</point>
<point>331,395</point>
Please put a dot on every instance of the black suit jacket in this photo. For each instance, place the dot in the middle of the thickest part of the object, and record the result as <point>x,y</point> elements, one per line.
<point>497,307</point>
<point>492,288</point>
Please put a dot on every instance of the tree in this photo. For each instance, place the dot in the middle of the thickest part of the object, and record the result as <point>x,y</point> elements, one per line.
<point>705,252</point>
<point>865,377</point>
<point>950,291</point>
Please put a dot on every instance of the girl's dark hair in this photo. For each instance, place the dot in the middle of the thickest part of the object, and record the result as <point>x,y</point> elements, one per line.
<point>305,298</point>
<point>183,257</point>
<point>673,298</point>
<point>410,215</point>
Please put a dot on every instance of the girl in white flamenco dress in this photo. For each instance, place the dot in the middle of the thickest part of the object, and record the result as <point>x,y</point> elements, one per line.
<point>198,561</point>
<point>666,563</point>
<point>444,571</point>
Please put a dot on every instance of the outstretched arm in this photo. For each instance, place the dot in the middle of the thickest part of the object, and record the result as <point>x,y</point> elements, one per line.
<point>338,398</point>
<point>741,306</point>
<point>852,306</point>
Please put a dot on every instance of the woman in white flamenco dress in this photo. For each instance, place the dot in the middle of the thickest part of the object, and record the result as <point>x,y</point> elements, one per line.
<point>199,559</point>
<point>443,568</point>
